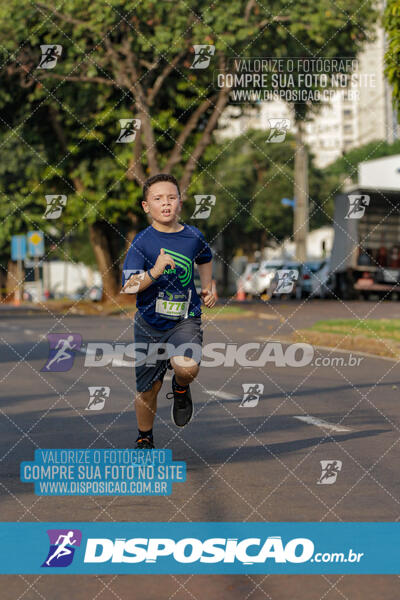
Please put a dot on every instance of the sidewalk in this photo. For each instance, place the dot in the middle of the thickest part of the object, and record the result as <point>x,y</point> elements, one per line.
<point>10,309</point>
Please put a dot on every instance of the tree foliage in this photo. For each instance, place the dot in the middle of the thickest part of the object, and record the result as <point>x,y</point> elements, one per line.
<point>392,56</point>
<point>121,59</point>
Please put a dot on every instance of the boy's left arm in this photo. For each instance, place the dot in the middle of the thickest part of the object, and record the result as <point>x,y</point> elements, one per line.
<point>205,272</point>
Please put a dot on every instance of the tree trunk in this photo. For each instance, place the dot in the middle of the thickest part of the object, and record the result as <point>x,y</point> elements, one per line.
<point>107,264</point>
<point>12,281</point>
<point>3,282</point>
<point>228,251</point>
<point>132,231</point>
<point>300,221</point>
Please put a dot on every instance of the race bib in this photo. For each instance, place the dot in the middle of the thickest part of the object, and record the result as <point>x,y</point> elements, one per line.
<point>172,305</point>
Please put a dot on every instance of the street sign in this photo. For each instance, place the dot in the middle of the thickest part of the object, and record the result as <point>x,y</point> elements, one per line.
<point>288,202</point>
<point>35,243</point>
<point>18,247</point>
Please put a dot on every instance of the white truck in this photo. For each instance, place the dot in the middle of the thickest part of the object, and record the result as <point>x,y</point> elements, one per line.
<point>365,258</point>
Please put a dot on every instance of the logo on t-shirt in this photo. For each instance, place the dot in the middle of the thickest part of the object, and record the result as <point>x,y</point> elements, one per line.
<point>185,263</point>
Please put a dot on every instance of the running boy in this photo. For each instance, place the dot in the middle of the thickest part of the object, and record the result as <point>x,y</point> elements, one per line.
<point>159,269</point>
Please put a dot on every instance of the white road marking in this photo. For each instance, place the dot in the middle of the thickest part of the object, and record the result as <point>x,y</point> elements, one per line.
<point>222,395</point>
<point>321,423</point>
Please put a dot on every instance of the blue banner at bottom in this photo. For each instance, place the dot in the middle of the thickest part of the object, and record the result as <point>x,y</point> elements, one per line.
<point>204,548</point>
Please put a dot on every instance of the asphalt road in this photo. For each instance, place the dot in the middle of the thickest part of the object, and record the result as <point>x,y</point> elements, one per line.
<point>244,464</point>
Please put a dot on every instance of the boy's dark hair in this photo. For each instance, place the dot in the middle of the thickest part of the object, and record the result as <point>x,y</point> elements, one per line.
<point>155,179</point>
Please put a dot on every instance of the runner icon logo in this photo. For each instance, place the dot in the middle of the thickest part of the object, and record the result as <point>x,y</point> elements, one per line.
<point>285,280</point>
<point>55,204</point>
<point>129,127</point>
<point>330,470</point>
<point>97,397</point>
<point>63,543</point>
<point>278,130</point>
<point>50,55</point>
<point>204,203</point>
<point>62,351</point>
<point>357,206</point>
<point>203,54</point>
<point>251,394</point>
<point>135,282</point>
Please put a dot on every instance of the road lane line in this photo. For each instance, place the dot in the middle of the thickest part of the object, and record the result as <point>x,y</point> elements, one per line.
<point>222,395</point>
<point>321,423</point>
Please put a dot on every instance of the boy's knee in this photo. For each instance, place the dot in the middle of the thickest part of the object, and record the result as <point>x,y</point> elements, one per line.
<point>157,385</point>
<point>148,394</point>
<point>185,367</point>
<point>155,388</point>
<point>184,362</point>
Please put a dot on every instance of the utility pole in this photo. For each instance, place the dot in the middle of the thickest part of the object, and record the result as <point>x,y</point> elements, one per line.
<point>300,216</point>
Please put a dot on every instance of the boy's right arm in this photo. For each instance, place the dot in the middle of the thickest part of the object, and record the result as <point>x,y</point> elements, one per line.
<point>139,282</point>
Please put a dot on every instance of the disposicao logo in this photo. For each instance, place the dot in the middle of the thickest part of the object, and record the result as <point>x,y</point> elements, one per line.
<point>191,550</point>
<point>62,547</point>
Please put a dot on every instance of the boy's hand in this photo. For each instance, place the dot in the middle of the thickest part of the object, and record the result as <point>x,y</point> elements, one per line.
<point>208,298</point>
<point>163,260</point>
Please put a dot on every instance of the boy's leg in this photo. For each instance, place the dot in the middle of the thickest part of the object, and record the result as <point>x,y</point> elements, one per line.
<point>186,369</point>
<point>146,406</point>
<point>187,338</point>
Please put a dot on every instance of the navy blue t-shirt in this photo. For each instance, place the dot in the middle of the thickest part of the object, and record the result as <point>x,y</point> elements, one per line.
<point>173,297</point>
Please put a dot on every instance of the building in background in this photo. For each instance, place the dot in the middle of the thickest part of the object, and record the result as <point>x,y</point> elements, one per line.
<point>319,245</point>
<point>345,123</point>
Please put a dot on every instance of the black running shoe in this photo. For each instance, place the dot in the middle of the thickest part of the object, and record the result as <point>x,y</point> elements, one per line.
<point>182,408</point>
<point>144,443</point>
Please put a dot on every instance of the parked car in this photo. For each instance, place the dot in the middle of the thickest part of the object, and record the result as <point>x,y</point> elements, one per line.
<point>245,280</point>
<point>80,293</point>
<point>307,273</point>
<point>262,278</point>
<point>322,281</point>
<point>27,296</point>
<point>95,293</point>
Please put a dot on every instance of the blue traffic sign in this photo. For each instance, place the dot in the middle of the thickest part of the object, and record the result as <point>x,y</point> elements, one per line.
<point>35,243</point>
<point>288,202</point>
<point>18,247</point>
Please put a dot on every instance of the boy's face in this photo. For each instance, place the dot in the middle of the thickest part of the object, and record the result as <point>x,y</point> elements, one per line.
<point>163,202</point>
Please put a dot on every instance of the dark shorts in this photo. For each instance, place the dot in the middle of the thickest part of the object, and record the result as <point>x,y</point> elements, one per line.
<point>185,338</point>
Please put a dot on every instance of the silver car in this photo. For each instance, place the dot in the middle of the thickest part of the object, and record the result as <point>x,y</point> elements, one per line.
<point>262,279</point>
<point>245,280</point>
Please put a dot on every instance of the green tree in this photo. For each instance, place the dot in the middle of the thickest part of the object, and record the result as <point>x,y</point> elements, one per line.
<point>334,31</point>
<point>392,57</point>
<point>346,167</point>
<point>123,60</point>
<point>249,179</point>
<point>118,61</point>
